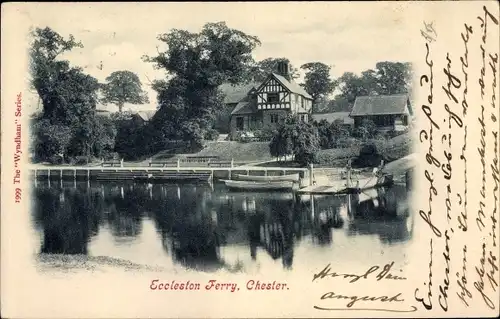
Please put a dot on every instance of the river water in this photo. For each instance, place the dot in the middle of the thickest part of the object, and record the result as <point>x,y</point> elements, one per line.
<point>207,227</point>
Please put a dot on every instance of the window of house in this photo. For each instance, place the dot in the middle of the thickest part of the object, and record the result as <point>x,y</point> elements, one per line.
<point>274,118</point>
<point>302,118</point>
<point>273,97</point>
<point>239,123</point>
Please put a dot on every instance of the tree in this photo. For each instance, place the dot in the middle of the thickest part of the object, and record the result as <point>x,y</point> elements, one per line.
<point>261,70</point>
<point>67,125</point>
<point>366,130</point>
<point>317,81</point>
<point>326,134</point>
<point>393,77</point>
<point>298,138</point>
<point>123,87</point>
<point>352,85</point>
<point>388,78</point>
<point>198,63</point>
<point>92,136</point>
<point>339,104</point>
<point>50,141</point>
<point>281,143</point>
<point>66,93</point>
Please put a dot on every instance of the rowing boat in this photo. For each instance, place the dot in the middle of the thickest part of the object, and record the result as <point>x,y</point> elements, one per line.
<point>252,185</point>
<point>280,178</point>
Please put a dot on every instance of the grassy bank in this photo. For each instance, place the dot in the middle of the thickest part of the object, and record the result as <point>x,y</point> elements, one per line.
<point>391,149</point>
<point>252,151</point>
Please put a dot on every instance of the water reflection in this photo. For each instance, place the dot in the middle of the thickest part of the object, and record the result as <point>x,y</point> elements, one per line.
<point>193,222</point>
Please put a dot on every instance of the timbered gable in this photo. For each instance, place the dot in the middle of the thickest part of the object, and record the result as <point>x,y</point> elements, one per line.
<point>273,95</point>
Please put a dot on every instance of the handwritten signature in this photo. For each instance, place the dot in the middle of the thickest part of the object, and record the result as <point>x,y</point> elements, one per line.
<point>354,299</point>
<point>384,273</point>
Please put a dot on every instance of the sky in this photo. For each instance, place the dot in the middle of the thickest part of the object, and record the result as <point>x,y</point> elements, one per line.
<point>350,37</point>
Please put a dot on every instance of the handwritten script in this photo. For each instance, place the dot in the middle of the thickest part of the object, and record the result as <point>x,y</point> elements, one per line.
<point>375,273</point>
<point>459,138</point>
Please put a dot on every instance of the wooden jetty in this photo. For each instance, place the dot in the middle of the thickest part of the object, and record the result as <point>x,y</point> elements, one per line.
<point>141,173</point>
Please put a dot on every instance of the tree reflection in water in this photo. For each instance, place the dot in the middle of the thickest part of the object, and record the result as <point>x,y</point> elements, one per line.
<point>194,221</point>
<point>69,218</point>
<point>125,209</point>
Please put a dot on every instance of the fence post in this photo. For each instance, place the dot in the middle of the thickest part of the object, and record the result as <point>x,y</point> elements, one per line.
<point>121,162</point>
<point>178,163</point>
<point>311,178</point>
<point>232,162</point>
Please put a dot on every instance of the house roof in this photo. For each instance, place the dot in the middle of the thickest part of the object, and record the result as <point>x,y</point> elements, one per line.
<point>380,105</point>
<point>244,107</point>
<point>292,86</point>
<point>146,115</point>
<point>236,93</point>
<point>332,117</point>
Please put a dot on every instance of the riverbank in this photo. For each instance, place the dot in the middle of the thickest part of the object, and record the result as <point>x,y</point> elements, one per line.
<point>71,263</point>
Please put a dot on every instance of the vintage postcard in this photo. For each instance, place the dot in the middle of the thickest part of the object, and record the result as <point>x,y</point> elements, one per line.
<point>250,159</point>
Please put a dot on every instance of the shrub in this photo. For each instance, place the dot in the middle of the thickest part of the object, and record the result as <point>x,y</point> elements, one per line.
<point>211,135</point>
<point>336,157</point>
<point>79,160</point>
<point>245,137</point>
<point>346,142</point>
<point>263,135</point>
<point>368,149</point>
<point>368,156</point>
<point>50,141</point>
<point>55,159</point>
<point>239,136</point>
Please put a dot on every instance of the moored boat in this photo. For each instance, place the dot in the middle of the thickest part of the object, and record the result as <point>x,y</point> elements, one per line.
<point>279,178</point>
<point>252,185</point>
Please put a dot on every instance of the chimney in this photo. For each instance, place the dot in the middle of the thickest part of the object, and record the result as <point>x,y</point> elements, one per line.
<point>283,70</point>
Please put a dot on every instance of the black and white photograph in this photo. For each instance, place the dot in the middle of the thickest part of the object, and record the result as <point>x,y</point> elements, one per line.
<point>222,148</point>
<point>212,148</point>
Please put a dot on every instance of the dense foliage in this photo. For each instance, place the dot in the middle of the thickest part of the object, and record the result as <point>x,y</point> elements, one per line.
<point>123,87</point>
<point>197,64</point>
<point>68,125</point>
<point>191,107</point>
<point>317,81</point>
<point>387,78</point>
<point>297,138</point>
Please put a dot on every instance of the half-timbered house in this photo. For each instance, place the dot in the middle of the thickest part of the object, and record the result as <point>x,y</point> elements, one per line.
<point>270,102</point>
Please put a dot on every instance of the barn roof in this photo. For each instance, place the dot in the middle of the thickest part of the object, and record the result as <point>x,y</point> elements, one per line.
<point>380,105</point>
